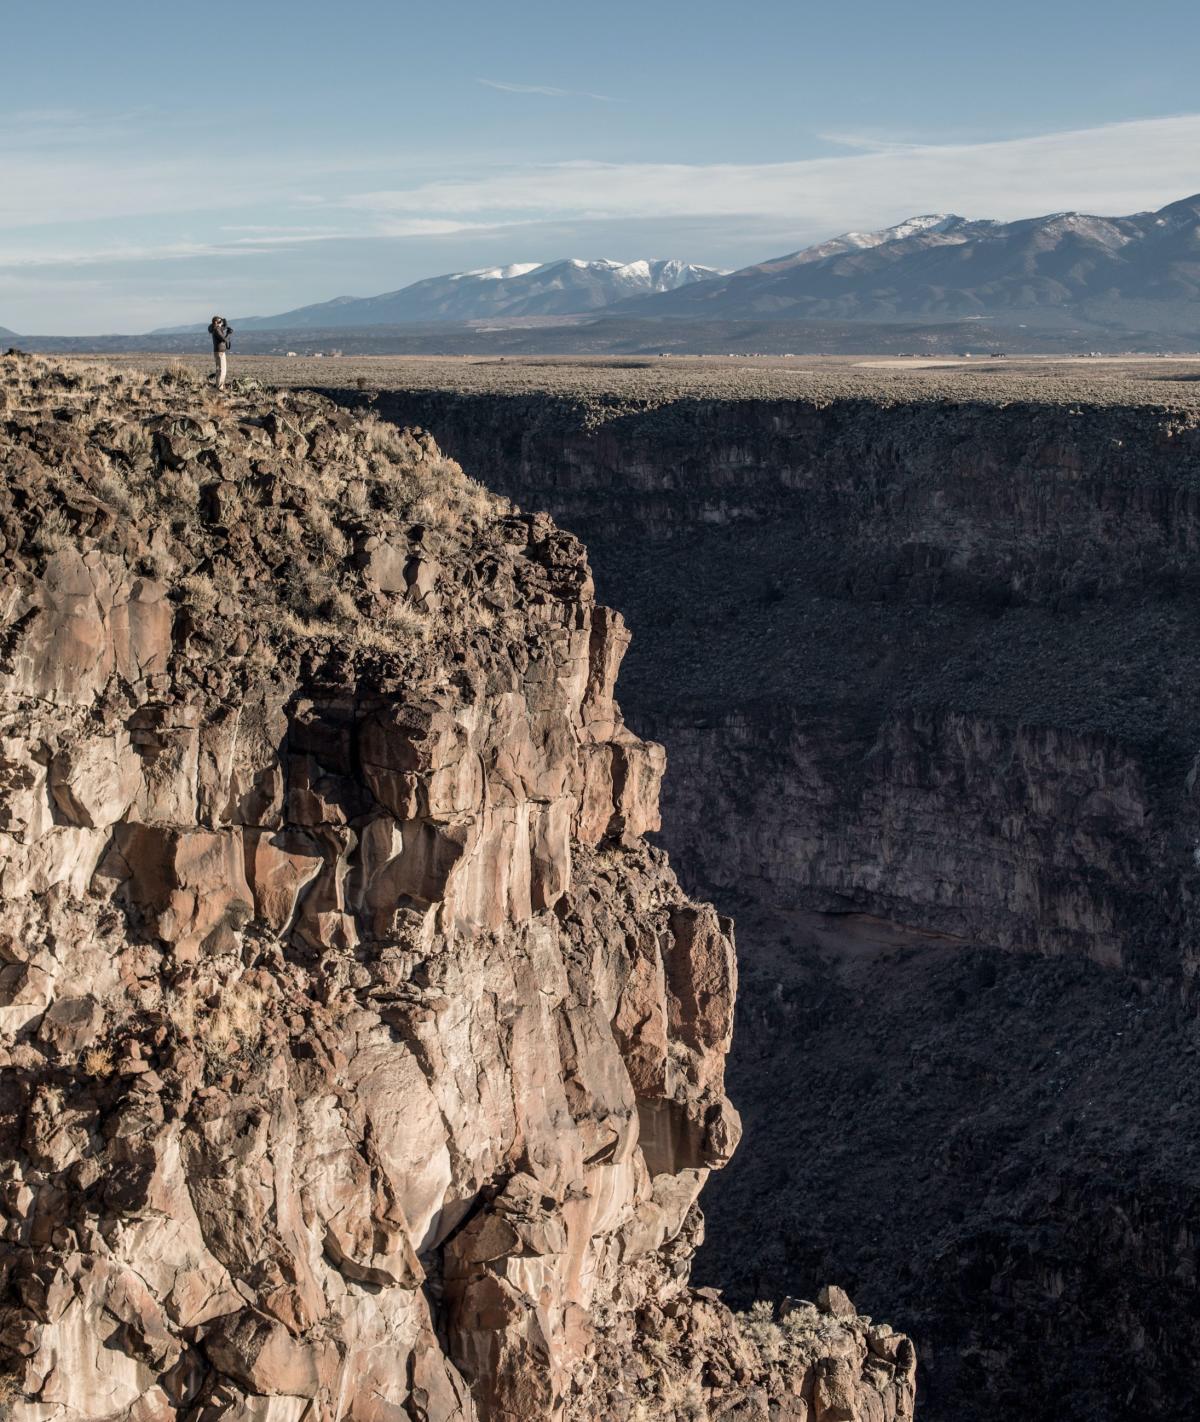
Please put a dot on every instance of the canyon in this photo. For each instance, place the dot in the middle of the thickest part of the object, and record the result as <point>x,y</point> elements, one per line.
<point>924,661</point>
<point>362,1058</point>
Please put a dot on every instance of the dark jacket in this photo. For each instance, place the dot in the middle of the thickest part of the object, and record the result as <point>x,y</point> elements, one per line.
<point>220,335</point>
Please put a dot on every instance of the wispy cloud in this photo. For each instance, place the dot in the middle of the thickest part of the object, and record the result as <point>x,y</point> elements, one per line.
<point>48,131</point>
<point>61,168</point>
<point>547,90</point>
<point>257,241</point>
<point>1110,169</point>
<point>275,229</point>
<point>12,258</point>
<point>873,142</point>
<point>1113,168</point>
<point>432,227</point>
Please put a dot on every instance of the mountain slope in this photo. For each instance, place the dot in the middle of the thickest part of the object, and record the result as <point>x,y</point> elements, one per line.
<point>6,334</point>
<point>1104,268</point>
<point>561,288</point>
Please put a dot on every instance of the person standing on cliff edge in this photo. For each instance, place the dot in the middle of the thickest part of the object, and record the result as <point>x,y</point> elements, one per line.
<point>220,330</point>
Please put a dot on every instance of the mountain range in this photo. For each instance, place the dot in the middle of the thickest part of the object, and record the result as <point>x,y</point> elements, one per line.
<point>563,288</point>
<point>1138,272</point>
<point>1138,269</point>
<point>1063,276</point>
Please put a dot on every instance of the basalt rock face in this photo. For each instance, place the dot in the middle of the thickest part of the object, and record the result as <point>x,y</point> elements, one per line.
<point>361,1060</point>
<point>927,672</point>
<point>869,608</point>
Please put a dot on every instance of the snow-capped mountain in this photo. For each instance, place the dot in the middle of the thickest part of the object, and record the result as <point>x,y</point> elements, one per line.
<point>563,288</point>
<point>1132,270</point>
<point>937,222</point>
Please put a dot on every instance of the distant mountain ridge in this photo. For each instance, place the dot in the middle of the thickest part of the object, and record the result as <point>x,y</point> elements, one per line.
<point>562,288</point>
<point>1121,270</point>
<point>1136,276</point>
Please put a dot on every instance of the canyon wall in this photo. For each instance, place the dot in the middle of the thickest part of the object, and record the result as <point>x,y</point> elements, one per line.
<point>360,1057</point>
<point>857,613</point>
<point>926,669</point>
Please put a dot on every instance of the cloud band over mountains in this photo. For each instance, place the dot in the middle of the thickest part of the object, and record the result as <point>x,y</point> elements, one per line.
<point>1117,167</point>
<point>68,204</point>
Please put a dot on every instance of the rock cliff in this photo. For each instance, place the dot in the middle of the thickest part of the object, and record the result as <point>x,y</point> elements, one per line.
<point>361,1059</point>
<point>926,665</point>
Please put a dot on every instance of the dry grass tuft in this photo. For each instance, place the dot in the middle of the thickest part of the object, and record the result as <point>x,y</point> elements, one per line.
<point>132,440</point>
<point>235,1025</point>
<point>305,629</point>
<point>340,608</point>
<point>116,493</point>
<point>225,1023</point>
<point>356,497</point>
<point>199,592</point>
<point>176,373</point>
<point>98,1061</point>
<point>52,533</point>
<point>397,625</point>
<point>331,538</point>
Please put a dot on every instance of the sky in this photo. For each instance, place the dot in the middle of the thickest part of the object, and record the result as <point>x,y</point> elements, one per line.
<point>160,162</point>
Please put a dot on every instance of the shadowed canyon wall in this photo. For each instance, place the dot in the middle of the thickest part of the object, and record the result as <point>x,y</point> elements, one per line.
<point>927,674</point>
<point>955,645</point>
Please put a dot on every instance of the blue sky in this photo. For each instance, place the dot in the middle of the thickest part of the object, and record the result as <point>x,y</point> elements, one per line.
<point>158,162</point>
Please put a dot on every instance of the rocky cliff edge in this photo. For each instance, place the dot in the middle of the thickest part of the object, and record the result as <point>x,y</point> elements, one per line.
<point>359,1059</point>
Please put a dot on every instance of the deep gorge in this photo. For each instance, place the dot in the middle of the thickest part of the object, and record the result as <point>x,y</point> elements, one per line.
<point>926,676</point>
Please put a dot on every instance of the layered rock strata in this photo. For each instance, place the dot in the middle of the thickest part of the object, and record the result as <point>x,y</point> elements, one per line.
<point>361,1059</point>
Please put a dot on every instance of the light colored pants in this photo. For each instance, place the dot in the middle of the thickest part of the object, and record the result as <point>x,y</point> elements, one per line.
<point>219,361</point>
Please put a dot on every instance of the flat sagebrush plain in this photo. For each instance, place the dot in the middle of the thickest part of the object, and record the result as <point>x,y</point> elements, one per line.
<point>618,383</point>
